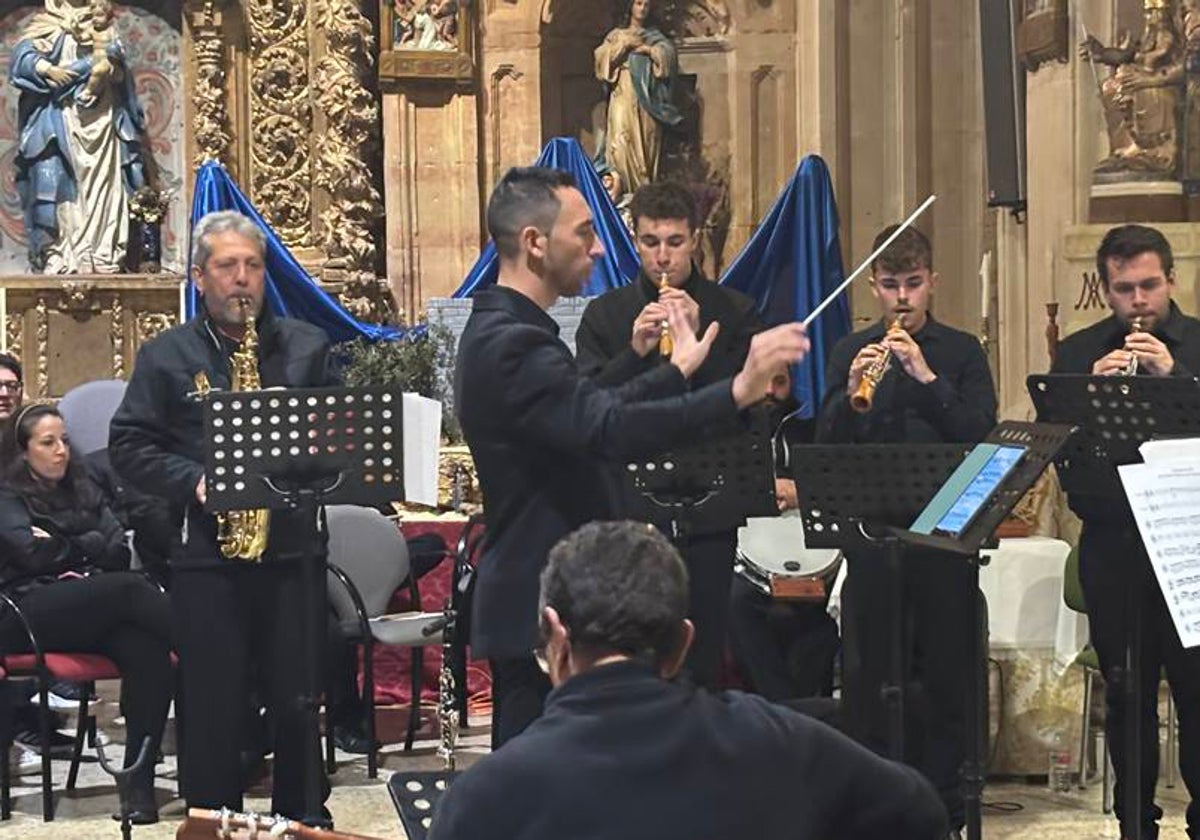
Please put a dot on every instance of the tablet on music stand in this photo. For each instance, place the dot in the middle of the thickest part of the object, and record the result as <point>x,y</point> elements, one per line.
<point>964,494</point>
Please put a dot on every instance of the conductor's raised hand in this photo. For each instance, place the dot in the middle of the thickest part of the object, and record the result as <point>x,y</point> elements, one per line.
<point>771,352</point>
<point>688,352</point>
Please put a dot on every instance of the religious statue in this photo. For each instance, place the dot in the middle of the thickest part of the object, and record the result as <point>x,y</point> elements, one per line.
<point>1142,98</point>
<point>638,65</point>
<point>79,156</point>
<point>426,25</point>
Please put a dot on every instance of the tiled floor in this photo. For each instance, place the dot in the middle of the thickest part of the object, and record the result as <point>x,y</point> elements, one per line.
<point>362,806</point>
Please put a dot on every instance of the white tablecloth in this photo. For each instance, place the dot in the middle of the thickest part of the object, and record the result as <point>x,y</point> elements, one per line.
<point>1023,584</point>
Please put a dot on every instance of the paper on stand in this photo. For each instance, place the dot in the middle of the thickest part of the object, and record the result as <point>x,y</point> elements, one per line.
<point>1161,451</point>
<point>422,436</point>
<point>1165,499</point>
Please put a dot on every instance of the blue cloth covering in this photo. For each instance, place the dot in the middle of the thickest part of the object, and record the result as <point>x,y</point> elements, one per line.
<point>790,264</point>
<point>620,261</point>
<point>290,291</point>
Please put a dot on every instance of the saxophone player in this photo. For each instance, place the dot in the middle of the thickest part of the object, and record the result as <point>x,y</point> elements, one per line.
<point>1136,269</point>
<point>937,388</point>
<point>232,618</point>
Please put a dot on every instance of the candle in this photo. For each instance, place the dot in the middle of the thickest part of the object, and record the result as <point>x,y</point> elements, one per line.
<point>183,284</point>
<point>3,320</point>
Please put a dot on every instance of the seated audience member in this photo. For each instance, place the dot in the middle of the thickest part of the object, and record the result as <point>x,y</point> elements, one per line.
<point>64,560</point>
<point>623,751</point>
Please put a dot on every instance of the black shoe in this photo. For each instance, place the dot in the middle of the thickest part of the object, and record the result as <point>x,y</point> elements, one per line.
<point>61,746</point>
<point>351,739</point>
<point>141,806</point>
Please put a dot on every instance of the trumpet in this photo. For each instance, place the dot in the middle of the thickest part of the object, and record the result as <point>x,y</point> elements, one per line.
<point>862,399</point>
<point>665,345</point>
<point>1131,369</point>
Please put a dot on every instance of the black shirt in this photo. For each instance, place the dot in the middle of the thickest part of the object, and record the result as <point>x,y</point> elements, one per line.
<point>602,342</point>
<point>1076,354</point>
<point>622,753</point>
<point>542,436</point>
<point>959,406</point>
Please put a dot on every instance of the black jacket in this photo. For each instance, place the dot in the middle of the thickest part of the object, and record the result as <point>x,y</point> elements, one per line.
<point>957,407</point>
<point>602,341</point>
<point>156,441</point>
<point>85,536</point>
<point>1076,354</point>
<point>541,436</point>
<point>603,352</point>
<point>621,753</point>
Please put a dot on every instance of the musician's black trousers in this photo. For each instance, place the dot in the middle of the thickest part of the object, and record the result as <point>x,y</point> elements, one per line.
<point>786,649</point>
<point>939,664</point>
<point>1110,561</point>
<point>519,689</point>
<point>236,624</point>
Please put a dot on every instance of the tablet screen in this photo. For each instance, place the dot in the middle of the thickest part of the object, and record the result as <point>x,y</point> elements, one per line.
<point>980,487</point>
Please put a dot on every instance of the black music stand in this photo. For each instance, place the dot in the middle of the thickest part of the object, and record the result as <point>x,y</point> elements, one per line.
<point>298,449</point>
<point>908,473</point>
<point>723,480</point>
<point>1116,414</point>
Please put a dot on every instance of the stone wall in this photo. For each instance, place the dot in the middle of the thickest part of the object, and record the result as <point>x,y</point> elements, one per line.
<point>453,313</point>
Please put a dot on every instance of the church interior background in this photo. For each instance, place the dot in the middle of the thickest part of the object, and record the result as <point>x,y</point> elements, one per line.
<point>370,143</point>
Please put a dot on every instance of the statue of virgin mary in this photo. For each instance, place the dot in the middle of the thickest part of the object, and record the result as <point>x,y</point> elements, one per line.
<point>79,153</point>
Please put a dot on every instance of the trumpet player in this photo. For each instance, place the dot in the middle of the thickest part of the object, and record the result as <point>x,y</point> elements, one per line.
<point>621,336</point>
<point>1137,273</point>
<point>936,388</point>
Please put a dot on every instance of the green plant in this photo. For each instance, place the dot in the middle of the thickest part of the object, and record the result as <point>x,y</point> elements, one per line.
<point>418,362</point>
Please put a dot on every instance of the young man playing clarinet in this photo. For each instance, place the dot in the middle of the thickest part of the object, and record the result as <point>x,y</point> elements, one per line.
<point>936,387</point>
<point>1137,272</point>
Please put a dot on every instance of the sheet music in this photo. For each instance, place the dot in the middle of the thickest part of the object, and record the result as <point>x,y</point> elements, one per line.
<point>422,436</point>
<point>1159,451</point>
<point>1165,499</point>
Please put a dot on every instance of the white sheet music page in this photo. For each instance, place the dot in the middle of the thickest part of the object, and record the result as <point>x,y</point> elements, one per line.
<point>1169,449</point>
<point>1165,499</point>
<point>422,436</point>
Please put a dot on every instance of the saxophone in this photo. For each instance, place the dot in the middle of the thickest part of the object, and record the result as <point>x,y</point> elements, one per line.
<point>242,534</point>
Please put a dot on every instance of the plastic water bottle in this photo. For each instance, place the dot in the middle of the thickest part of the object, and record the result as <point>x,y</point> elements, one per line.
<point>1060,763</point>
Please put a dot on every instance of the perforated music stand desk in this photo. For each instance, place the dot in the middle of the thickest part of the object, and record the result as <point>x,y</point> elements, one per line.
<point>722,479</point>
<point>855,497</point>
<point>1116,415</point>
<point>298,449</point>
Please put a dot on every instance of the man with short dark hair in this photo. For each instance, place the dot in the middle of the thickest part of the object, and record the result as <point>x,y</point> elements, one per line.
<point>625,751</point>
<point>937,388</point>
<point>543,437</point>
<point>619,339</point>
<point>1136,269</point>
<point>11,385</point>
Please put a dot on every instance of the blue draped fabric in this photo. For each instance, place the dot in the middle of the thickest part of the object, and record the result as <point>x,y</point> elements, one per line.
<point>789,266</point>
<point>290,291</point>
<point>620,261</point>
<point>656,96</point>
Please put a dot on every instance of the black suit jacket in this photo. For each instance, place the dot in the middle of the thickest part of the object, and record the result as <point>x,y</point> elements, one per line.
<point>541,436</point>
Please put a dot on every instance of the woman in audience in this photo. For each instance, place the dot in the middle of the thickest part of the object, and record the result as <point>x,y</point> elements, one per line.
<point>65,561</point>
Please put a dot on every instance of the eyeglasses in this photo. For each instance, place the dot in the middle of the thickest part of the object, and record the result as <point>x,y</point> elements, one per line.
<point>12,386</point>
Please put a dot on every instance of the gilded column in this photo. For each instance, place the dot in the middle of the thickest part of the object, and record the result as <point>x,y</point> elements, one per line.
<point>281,117</point>
<point>341,168</point>
<point>210,126</point>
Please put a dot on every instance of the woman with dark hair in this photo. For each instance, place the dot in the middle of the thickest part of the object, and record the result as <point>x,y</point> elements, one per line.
<point>65,561</point>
